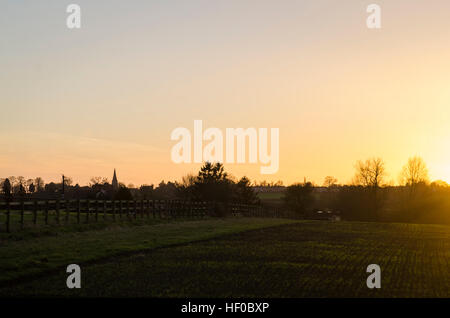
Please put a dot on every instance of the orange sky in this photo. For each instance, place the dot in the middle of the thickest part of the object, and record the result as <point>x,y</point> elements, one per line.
<point>83,102</point>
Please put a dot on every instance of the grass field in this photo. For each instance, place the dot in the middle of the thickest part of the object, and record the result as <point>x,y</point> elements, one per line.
<point>45,250</point>
<point>271,195</point>
<point>301,259</point>
<point>272,198</point>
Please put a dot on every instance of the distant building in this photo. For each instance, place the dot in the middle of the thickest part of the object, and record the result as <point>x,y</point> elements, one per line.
<point>115,183</point>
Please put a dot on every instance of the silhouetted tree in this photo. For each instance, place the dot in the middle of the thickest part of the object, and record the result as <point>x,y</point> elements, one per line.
<point>123,193</point>
<point>95,181</point>
<point>354,203</point>
<point>298,197</point>
<point>28,183</point>
<point>244,192</point>
<point>414,172</point>
<point>13,183</point>
<point>7,189</point>
<point>146,192</point>
<point>51,188</point>
<point>21,190</point>
<point>19,186</point>
<point>415,197</point>
<point>212,183</point>
<point>165,191</point>
<point>39,183</point>
<point>185,188</point>
<point>370,174</point>
<point>31,188</point>
<point>68,181</point>
<point>330,181</point>
<point>439,184</point>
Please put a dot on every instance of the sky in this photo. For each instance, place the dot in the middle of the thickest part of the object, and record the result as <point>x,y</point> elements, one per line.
<point>108,95</point>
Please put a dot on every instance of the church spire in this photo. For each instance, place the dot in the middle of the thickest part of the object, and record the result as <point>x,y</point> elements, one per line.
<point>115,183</point>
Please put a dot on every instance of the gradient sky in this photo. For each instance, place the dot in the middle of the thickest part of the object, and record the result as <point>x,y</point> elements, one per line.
<point>83,102</point>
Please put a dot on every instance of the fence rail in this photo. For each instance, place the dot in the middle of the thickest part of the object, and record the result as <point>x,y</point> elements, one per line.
<point>17,215</point>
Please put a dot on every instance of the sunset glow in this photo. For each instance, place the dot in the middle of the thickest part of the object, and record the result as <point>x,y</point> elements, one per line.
<point>108,95</point>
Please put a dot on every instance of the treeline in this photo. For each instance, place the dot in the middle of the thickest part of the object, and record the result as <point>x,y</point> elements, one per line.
<point>211,183</point>
<point>370,198</point>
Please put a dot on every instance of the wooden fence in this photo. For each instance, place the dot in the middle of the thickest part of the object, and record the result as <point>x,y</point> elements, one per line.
<point>17,215</point>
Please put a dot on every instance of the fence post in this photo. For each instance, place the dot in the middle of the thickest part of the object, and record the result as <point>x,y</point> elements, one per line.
<point>96,210</point>
<point>114,210</point>
<point>172,209</point>
<point>22,212</point>
<point>88,208</point>
<point>104,210</point>
<point>8,212</point>
<point>120,209</point>
<point>78,211</point>
<point>204,208</point>
<point>46,212</point>
<point>57,211</point>
<point>167,208</point>
<point>195,209</point>
<point>135,209</point>
<point>35,208</point>
<point>165,211</point>
<point>142,208</point>
<point>196,205</point>
<point>182,207</point>
<point>159,208</point>
<point>202,205</point>
<point>152,204</point>
<point>67,211</point>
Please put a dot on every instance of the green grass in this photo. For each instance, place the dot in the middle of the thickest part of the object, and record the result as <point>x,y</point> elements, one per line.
<point>64,219</point>
<point>301,259</point>
<point>272,198</point>
<point>305,259</point>
<point>271,195</point>
<point>23,255</point>
<point>53,228</point>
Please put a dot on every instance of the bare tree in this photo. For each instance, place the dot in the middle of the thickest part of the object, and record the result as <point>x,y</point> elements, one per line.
<point>29,182</point>
<point>97,181</point>
<point>414,172</point>
<point>370,173</point>
<point>21,180</point>
<point>31,188</point>
<point>12,182</point>
<point>19,186</point>
<point>187,181</point>
<point>329,181</point>
<point>39,184</point>
<point>68,181</point>
<point>6,189</point>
